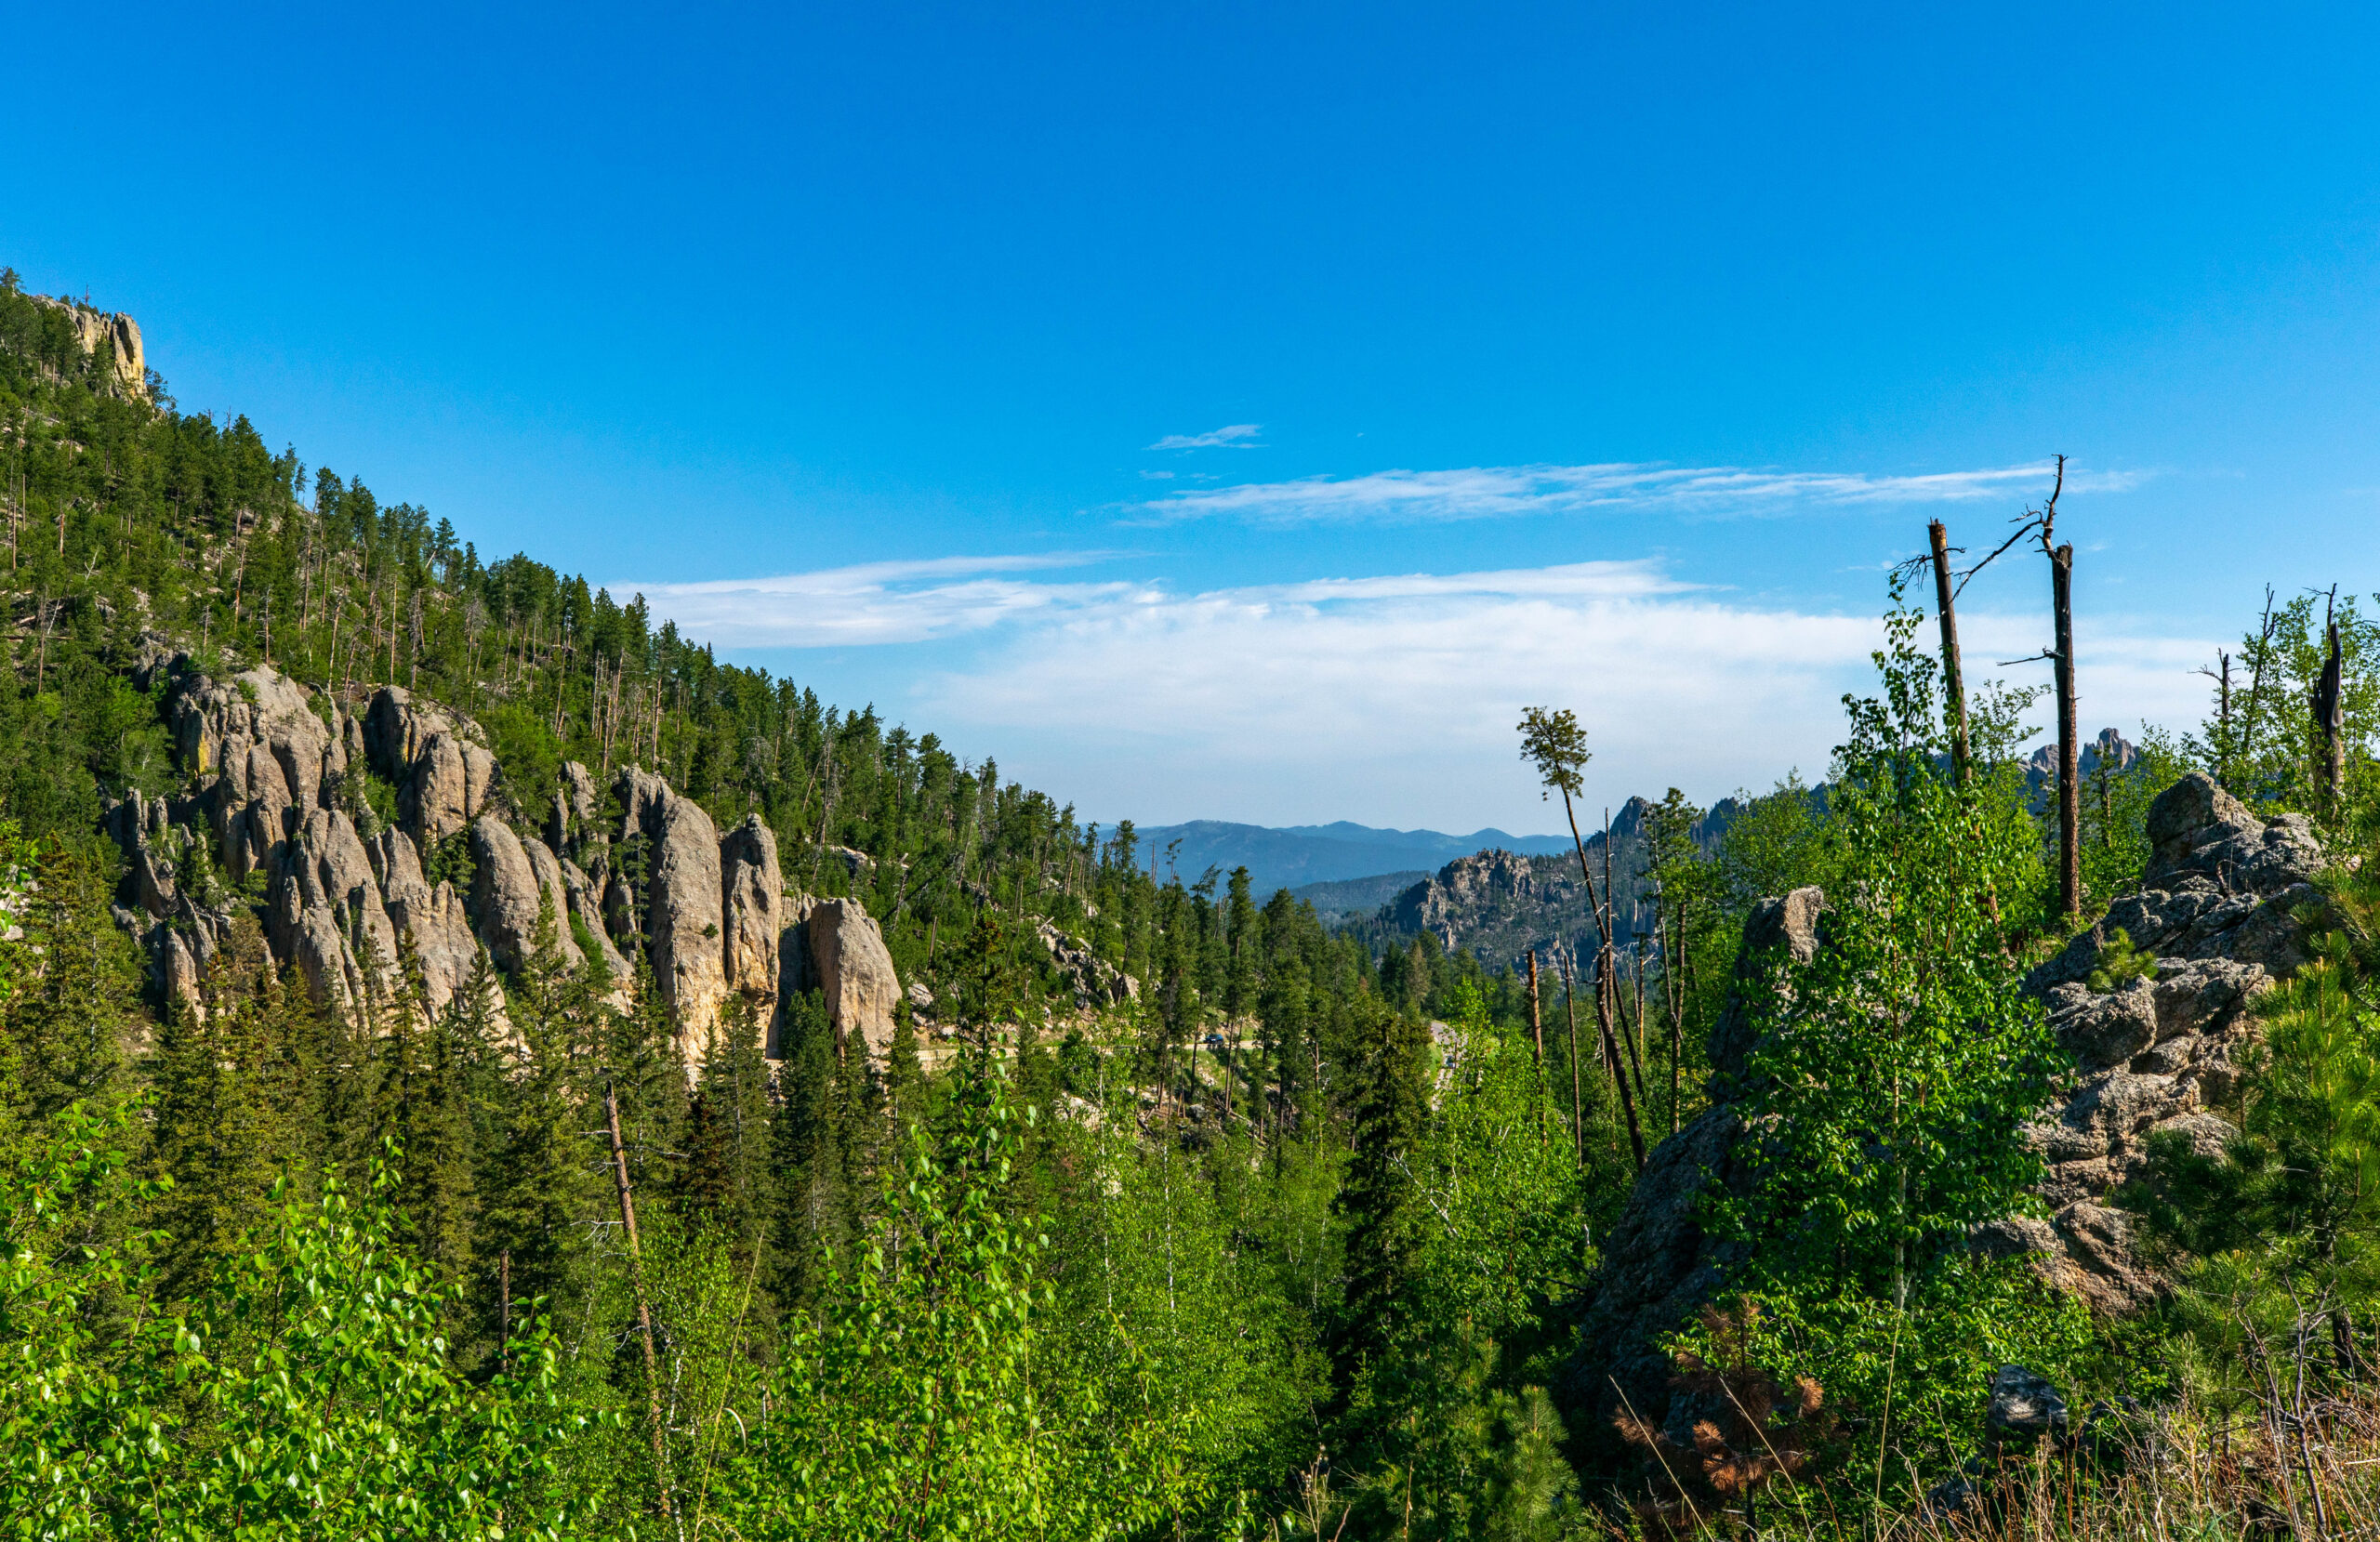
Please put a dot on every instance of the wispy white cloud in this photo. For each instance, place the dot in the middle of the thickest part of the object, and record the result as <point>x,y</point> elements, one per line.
<point>1393,701</point>
<point>873,602</point>
<point>1234,436</point>
<point>1386,699</point>
<point>1502,492</point>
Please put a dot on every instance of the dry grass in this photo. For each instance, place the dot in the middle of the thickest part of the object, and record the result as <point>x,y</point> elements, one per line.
<point>2170,1475</point>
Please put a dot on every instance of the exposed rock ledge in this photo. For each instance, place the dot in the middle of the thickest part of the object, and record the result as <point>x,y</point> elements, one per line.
<point>273,827</point>
<point>2216,908</point>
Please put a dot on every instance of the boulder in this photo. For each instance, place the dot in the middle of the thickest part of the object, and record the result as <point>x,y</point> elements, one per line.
<point>435,918</point>
<point>325,915</point>
<point>1779,933</point>
<point>515,882</point>
<point>850,964</point>
<point>2024,1408</point>
<point>752,901</point>
<point>681,902</point>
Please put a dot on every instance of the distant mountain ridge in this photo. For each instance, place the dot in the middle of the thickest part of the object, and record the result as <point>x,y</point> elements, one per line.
<point>1293,856</point>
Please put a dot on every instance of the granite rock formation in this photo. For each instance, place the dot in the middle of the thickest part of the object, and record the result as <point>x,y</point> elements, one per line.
<point>2218,908</point>
<point>279,823</point>
<point>849,962</point>
<point>96,329</point>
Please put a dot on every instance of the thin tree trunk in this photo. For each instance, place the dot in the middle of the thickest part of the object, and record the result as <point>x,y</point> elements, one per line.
<point>2330,720</point>
<point>2070,789</point>
<point>1570,1011</point>
<point>1678,1017</point>
<point>1954,691</point>
<point>1536,1024</point>
<point>1627,1099</point>
<point>643,1314</point>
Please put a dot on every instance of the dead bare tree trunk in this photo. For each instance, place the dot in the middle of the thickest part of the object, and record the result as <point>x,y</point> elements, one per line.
<point>2329,722</point>
<point>1536,1024</point>
<point>1677,1016</point>
<point>2069,787</point>
<point>1954,691</point>
<point>1620,1069</point>
<point>643,1314</point>
<point>2221,676</point>
<point>1570,1011</point>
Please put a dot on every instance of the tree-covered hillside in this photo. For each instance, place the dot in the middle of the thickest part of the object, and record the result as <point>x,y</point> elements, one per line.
<point>428,1204</point>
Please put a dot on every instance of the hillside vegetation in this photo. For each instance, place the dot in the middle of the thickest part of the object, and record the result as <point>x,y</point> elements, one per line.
<point>380,1157</point>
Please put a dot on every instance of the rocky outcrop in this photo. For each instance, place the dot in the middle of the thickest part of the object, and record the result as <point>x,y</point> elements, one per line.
<point>2217,910</point>
<point>442,773</point>
<point>753,905</point>
<point>1503,905</point>
<point>434,918</point>
<point>847,961</point>
<point>587,910</point>
<point>678,907</point>
<point>1658,1264</point>
<point>275,818</point>
<point>572,817</point>
<point>1096,981</point>
<point>271,754</point>
<point>515,885</point>
<point>326,916</point>
<point>2160,1054</point>
<point>112,331</point>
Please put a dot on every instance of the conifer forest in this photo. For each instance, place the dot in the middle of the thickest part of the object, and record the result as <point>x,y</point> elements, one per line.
<point>474,1065</point>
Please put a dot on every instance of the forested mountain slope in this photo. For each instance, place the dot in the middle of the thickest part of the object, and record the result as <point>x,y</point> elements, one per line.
<point>458,1078</point>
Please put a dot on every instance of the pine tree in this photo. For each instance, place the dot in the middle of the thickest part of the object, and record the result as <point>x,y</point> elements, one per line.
<point>813,1215</point>
<point>536,1183</point>
<point>726,1185</point>
<point>1390,1108</point>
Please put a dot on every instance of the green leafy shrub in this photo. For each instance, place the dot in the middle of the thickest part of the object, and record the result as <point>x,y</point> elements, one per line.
<point>2120,963</point>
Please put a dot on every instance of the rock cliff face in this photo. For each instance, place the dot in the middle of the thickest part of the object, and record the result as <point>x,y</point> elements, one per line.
<point>273,827</point>
<point>1500,904</point>
<point>849,961</point>
<point>1659,1265</point>
<point>753,899</point>
<point>2216,909</point>
<point>668,841</point>
<point>111,329</point>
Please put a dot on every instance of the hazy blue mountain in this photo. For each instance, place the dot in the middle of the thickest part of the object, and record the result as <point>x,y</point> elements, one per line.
<point>1341,898</point>
<point>1293,857</point>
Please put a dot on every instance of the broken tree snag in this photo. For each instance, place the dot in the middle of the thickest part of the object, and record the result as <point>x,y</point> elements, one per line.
<point>1611,1054</point>
<point>643,1314</point>
<point>1954,691</point>
<point>2329,720</point>
<point>2069,790</point>
<point>1570,1011</point>
<point>1536,1024</point>
<point>2221,676</point>
<point>2070,783</point>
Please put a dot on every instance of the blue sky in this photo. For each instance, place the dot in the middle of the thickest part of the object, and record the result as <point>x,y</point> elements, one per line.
<point>1240,412</point>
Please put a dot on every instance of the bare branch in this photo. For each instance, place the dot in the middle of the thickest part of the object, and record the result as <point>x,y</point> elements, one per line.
<point>2030,520</point>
